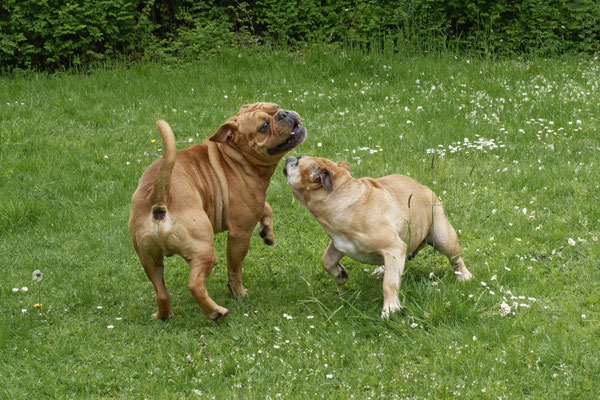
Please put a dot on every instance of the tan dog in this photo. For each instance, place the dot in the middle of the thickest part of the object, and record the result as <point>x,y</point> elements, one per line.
<point>373,221</point>
<point>186,197</point>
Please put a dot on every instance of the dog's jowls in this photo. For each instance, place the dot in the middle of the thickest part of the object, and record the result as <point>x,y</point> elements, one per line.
<point>186,197</point>
<point>373,221</point>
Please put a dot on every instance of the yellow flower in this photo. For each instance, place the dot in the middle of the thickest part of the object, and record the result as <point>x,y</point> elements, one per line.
<point>38,306</point>
<point>153,141</point>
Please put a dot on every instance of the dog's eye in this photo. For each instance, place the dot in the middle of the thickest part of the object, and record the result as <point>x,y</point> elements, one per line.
<point>317,179</point>
<point>265,126</point>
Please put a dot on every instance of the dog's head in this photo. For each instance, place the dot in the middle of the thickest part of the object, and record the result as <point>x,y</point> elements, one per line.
<point>262,132</point>
<point>310,175</point>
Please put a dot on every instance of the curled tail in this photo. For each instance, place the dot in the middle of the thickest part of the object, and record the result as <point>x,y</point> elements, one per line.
<point>160,194</point>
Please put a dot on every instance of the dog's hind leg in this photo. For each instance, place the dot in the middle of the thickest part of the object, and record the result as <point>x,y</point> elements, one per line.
<point>196,246</point>
<point>238,243</point>
<point>201,265</point>
<point>154,268</point>
<point>443,238</point>
<point>265,229</point>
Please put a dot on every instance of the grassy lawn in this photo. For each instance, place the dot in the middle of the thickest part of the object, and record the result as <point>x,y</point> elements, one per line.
<point>511,147</point>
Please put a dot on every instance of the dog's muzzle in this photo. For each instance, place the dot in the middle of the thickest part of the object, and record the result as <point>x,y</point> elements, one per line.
<point>297,134</point>
<point>290,162</point>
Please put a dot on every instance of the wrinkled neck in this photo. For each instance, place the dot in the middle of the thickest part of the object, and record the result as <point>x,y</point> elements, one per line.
<point>249,163</point>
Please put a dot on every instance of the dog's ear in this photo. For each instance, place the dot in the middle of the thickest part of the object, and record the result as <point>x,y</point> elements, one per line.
<point>324,176</point>
<point>224,132</point>
<point>344,165</point>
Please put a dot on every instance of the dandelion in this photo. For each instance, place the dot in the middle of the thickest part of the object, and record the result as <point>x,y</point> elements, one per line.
<point>37,275</point>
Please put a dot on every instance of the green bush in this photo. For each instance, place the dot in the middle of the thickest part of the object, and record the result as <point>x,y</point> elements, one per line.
<point>51,34</point>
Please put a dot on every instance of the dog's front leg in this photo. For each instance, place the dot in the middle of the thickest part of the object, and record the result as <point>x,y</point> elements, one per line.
<point>331,264</point>
<point>394,267</point>
<point>238,242</point>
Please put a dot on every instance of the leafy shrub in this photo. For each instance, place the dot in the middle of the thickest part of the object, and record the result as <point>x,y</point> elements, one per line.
<point>50,34</point>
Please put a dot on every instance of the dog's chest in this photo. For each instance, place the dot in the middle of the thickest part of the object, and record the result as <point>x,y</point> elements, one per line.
<point>354,250</point>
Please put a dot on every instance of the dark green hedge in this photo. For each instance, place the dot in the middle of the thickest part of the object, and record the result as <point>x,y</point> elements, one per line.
<point>53,33</point>
<point>50,34</point>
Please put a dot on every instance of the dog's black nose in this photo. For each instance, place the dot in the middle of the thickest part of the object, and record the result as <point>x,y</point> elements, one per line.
<point>290,161</point>
<point>287,116</point>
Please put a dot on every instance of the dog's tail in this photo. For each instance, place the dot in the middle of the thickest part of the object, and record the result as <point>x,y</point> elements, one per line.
<point>160,194</point>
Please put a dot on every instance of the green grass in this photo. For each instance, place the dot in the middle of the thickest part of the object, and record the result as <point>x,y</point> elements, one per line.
<point>73,146</point>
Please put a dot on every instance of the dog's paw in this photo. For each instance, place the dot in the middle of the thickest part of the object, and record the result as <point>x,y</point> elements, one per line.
<point>379,271</point>
<point>463,276</point>
<point>266,233</point>
<point>389,310</point>
<point>343,275</point>
<point>220,312</point>
<point>163,316</point>
<point>237,289</point>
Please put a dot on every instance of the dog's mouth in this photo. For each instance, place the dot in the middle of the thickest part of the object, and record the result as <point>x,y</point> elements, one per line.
<point>296,137</point>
